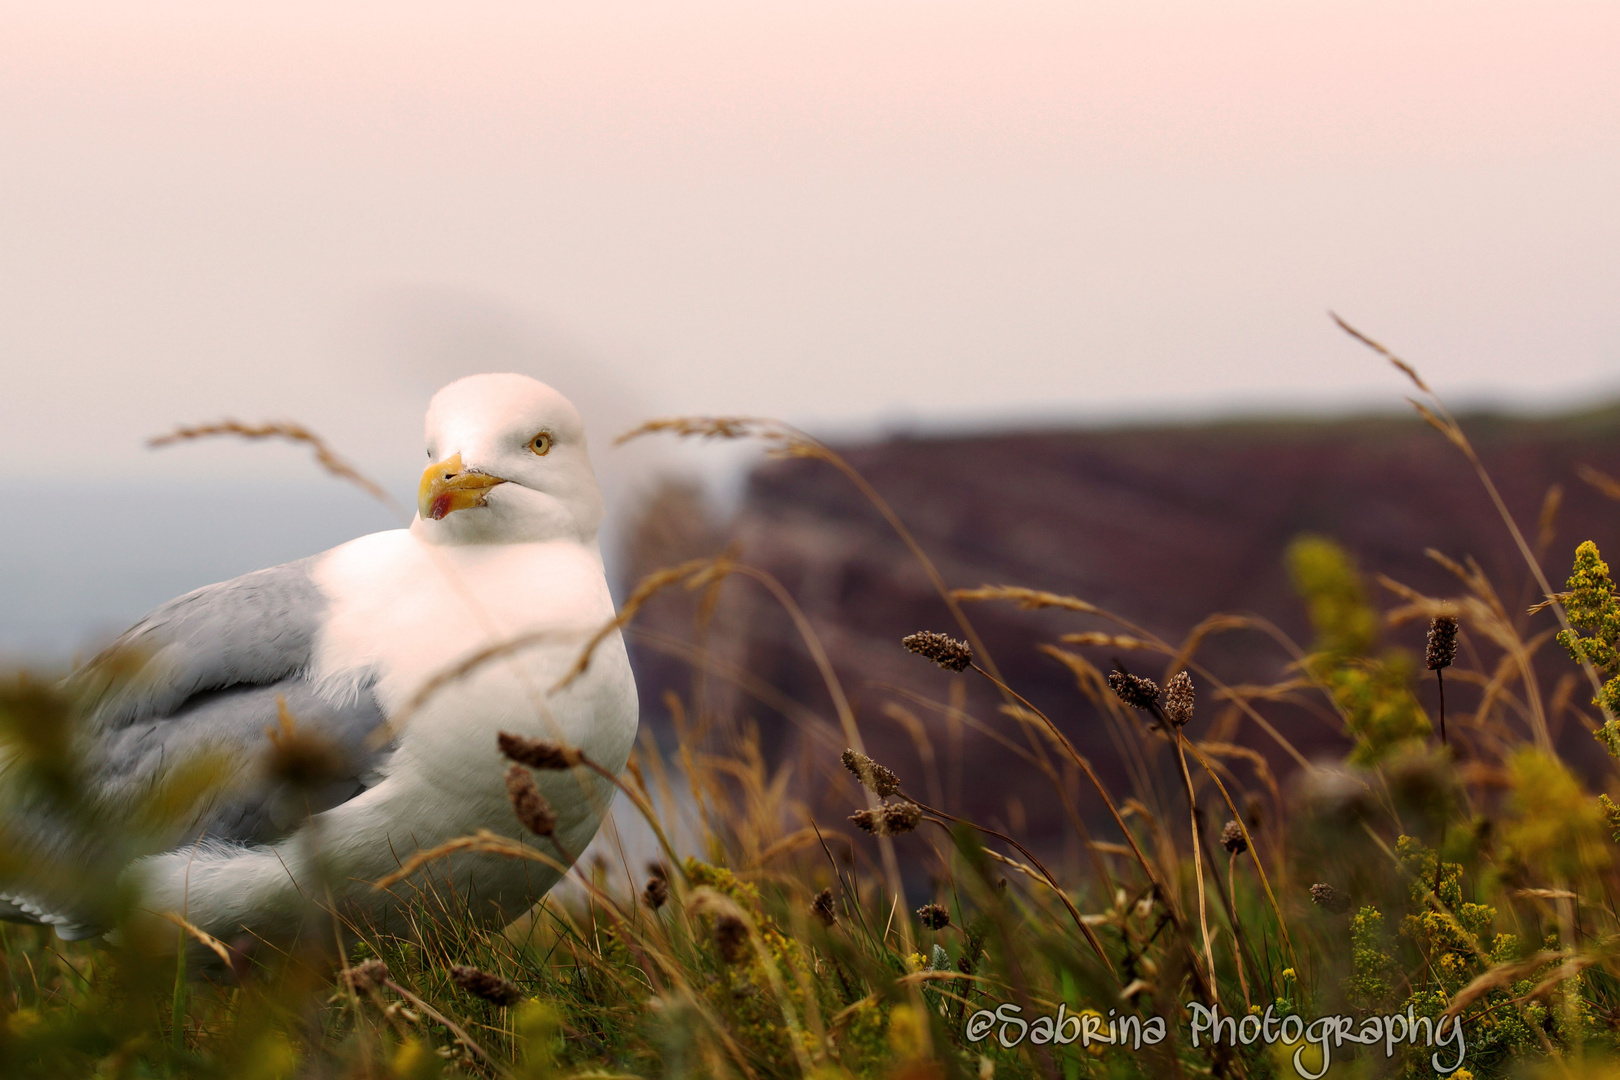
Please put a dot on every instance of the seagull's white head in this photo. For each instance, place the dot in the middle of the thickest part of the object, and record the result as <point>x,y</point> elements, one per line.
<point>509,466</point>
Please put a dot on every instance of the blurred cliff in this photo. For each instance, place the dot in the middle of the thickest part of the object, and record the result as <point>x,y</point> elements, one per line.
<point>1162,525</point>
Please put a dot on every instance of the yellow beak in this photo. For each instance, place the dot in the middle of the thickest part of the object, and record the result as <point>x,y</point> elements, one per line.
<point>447,487</point>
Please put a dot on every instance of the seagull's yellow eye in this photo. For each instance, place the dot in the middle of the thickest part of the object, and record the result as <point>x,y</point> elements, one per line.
<point>541,443</point>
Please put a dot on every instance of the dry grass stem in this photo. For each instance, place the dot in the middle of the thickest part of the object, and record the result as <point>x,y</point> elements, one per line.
<point>324,454</point>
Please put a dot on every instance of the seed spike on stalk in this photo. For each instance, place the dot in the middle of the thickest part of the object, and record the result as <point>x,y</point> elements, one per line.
<point>366,975</point>
<point>880,780</point>
<point>947,652</point>
<point>1329,899</point>
<point>890,819</point>
<point>1442,643</point>
<point>538,753</point>
<point>822,908</point>
<point>530,806</point>
<point>487,985</point>
<point>1134,690</point>
<point>1441,651</point>
<point>1179,698</point>
<point>730,937</point>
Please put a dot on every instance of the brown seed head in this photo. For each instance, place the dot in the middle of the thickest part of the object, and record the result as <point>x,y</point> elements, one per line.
<point>890,819</point>
<point>1133,690</point>
<point>1233,840</point>
<point>656,894</point>
<point>730,937</point>
<point>1442,648</point>
<point>530,806</point>
<point>822,907</point>
<point>487,985</point>
<point>300,759</point>
<point>934,916</point>
<point>366,975</point>
<point>870,773</point>
<point>1329,898</point>
<point>537,753</point>
<point>1178,698</point>
<point>948,653</point>
<point>902,817</point>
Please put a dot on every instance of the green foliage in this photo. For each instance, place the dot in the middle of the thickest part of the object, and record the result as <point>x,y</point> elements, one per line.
<point>1380,709</point>
<point>1450,934</point>
<point>1368,986</point>
<point>36,731</point>
<point>723,881</point>
<point>1326,578</point>
<point>1591,606</point>
<point>1453,937</point>
<point>757,992</point>
<point>1557,829</point>
<point>1374,692</point>
<point>1611,815</point>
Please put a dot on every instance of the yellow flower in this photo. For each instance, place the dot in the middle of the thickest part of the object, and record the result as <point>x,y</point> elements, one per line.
<point>1288,975</point>
<point>413,1059</point>
<point>1556,825</point>
<point>908,1032</point>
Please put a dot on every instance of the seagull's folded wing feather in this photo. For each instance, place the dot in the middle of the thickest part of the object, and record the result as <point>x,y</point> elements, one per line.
<point>249,631</point>
<point>207,676</point>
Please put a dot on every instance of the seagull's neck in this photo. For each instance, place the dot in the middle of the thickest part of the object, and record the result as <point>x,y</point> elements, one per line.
<point>458,531</point>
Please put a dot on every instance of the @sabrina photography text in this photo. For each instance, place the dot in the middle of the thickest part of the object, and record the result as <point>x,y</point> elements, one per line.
<point>1313,1040</point>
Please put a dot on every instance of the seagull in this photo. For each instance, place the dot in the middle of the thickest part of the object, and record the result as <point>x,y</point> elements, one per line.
<point>386,668</point>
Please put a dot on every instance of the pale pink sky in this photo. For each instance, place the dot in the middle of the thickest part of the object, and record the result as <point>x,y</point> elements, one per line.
<point>843,213</point>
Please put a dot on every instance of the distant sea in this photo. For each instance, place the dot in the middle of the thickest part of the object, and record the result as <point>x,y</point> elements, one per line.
<point>85,559</point>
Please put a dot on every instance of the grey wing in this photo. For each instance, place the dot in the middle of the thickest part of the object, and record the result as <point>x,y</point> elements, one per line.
<point>253,630</point>
<point>333,758</point>
<point>205,674</point>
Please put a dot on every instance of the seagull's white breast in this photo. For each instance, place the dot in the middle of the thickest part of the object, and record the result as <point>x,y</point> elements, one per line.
<point>403,611</point>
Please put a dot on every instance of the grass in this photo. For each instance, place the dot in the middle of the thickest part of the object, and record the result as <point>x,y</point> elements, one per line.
<point>1473,877</point>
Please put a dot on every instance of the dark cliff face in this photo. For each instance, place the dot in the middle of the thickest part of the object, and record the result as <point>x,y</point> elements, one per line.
<point>1164,526</point>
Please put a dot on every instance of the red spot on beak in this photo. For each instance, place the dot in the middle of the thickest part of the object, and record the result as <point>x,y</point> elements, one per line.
<point>441,506</point>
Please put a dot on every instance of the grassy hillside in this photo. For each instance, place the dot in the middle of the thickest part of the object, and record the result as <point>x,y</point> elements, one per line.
<point>1446,874</point>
